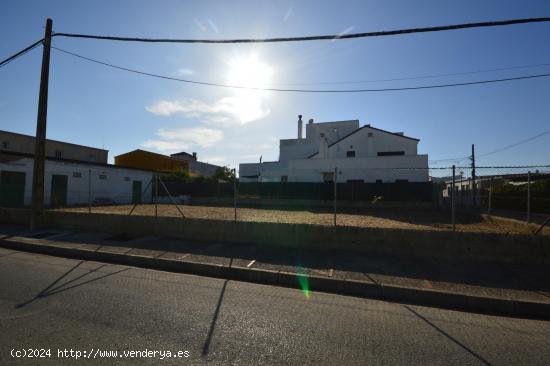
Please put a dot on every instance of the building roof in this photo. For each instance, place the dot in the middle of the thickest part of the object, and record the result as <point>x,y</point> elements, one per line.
<point>61,142</point>
<point>183,153</point>
<point>29,155</point>
<point>359,129</point>
<point>145,151</point>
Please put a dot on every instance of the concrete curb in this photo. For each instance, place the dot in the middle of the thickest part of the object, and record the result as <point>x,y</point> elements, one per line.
<point>393,293</point>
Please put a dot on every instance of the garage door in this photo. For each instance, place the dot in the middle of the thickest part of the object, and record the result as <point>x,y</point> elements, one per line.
<point>12,189</point>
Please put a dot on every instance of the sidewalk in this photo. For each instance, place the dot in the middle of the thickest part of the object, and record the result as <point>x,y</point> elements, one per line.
<point>487,287</point>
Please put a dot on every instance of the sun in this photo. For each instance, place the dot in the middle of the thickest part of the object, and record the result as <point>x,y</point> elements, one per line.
<point>249,72</point>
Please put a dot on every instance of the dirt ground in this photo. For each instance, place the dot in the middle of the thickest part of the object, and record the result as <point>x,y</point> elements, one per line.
<point>390,219</point>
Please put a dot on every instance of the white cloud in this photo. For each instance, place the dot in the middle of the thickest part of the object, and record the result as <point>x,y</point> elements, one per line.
<point>172,140</point>
<point>213,159</point>
<point>186,71</point>
<point>287,14</point>
<point>227,111</point>
<point>201,26</point>
<point>213,26</point>
<point>166,146</point>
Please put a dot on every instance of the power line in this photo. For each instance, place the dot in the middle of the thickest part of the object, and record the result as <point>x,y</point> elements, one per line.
<point>516,144</point>
<point>299,90</point>
<point>504,148</point>
<point>450,159</point>
<point>313,38</point>
<point>20,53</point>
<point>420,76</point>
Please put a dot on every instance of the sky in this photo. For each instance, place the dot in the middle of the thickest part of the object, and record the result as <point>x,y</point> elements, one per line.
<point>97,106</point>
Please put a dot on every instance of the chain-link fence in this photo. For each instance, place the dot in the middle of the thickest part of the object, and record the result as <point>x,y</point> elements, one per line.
<point>511,199</point>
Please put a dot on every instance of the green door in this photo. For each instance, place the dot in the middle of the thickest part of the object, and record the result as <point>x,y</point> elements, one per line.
<point>136,191</point>
<point>59,190</point>
<point>12,189</point>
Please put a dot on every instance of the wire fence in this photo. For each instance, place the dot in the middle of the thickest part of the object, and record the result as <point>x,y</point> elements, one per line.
<point>438,198</point>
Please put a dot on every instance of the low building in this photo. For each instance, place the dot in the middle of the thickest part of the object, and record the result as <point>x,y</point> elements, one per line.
<point>71,182</point>
<point>360,154</point>
<point>141,159</point>
<point>196,168</point>
<point>19,143</point>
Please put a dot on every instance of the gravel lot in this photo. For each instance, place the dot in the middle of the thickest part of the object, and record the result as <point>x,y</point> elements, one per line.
<point>391,219</point>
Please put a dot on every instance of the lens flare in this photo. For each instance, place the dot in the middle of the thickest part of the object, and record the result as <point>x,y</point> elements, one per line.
<point>303,280</point>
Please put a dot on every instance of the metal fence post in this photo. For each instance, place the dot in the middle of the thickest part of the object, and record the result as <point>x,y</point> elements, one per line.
<point>156,195</point>
<point>89,190</point>
<point>490,195</point>
<point>453,200</point>
<point>335,193</point>
<point>235,193</point>
<point>528,196</point>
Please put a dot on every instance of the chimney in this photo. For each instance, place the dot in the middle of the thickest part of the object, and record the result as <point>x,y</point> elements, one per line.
<point>300,127</point>
<point>311,121</point>
<point>195,156</point>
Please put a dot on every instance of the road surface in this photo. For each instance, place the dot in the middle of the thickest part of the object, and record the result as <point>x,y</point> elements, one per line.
<point>71,308</point>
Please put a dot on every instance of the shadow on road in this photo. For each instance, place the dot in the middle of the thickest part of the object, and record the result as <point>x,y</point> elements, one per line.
<point>208,340</point>
<point>441,331</point>
<point>52,289</point>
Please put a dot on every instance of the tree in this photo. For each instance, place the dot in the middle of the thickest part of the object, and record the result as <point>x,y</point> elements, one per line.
<point>179,174</point>
<point>224,173</point>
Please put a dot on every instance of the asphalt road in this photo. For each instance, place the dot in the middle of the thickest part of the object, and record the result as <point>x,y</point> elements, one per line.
<point>56,304</point>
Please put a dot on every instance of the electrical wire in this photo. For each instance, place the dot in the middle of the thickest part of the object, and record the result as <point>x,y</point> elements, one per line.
<point>313,38</point>
<point>20,53</point>
<point>504,148</point>
<point>421,76</point>
<point>299,90</point>
<point>515,144</point>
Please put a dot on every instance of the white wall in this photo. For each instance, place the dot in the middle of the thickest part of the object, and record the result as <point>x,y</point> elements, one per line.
<point>388,168</point>
<point>369,146</point>
<point>295,162</point>
<point>303,148</point>
<point>115,187</point>
<point>296,149</point>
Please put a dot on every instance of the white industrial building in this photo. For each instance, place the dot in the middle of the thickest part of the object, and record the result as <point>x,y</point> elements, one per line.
<point>73,182</point>
<point>360,154</point>
<point>74,175</point>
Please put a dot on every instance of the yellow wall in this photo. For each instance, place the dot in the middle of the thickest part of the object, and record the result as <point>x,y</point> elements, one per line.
<point>150,161</point>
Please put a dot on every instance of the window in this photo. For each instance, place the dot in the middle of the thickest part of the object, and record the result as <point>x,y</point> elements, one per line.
<point>379,181</point>
<point>77,175</point>
<point>390,153</point>
<point>401,180</point>
<point>58,153</point>
<point>350,154</point>
<point>103,176</point>
<point>369,134</point>
<point>5,145</point>
<point>126,179</point>
<point>284,178</point>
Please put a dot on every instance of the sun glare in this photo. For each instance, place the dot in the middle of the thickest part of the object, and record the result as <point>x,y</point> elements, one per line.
<point>248,71</point>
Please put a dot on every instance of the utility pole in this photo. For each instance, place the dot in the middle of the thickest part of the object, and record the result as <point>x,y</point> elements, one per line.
<point>473,176</point>
<point>453,199</point>
<point>528,196</point>
<point>335,193</point>
<point>37,204</point>
<point>235,193</point>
